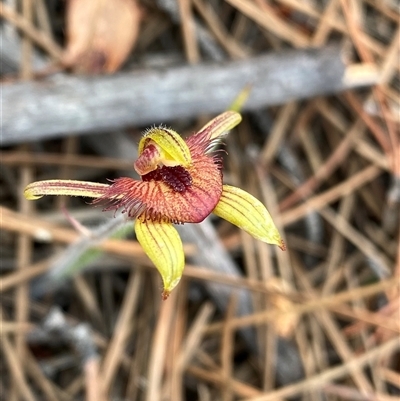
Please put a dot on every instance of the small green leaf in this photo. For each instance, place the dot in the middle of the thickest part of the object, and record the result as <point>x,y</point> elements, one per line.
<point>240,99</point>
<point>84,256</point>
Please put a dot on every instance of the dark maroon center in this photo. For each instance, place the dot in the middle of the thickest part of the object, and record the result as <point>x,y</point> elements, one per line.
<point>177,178</point>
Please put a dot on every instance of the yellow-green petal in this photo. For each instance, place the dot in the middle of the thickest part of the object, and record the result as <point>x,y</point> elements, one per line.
<point>37,189</point>
<point>163,246</point>
<point>221,124</point>
<point>248,213</point>
<point>172,147</point>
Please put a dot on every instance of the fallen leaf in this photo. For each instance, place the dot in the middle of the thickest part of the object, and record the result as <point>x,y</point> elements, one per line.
<point>100,34</point>
<point>286,323</point>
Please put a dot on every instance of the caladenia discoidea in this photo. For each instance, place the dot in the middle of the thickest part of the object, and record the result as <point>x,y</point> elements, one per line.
<point>181,182</point>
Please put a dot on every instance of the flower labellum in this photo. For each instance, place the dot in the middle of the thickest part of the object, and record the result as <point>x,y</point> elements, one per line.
<point>181,182</point>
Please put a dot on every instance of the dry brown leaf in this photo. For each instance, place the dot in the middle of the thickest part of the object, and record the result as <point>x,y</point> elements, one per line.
<point>100,34</point>
<point>286,323</point>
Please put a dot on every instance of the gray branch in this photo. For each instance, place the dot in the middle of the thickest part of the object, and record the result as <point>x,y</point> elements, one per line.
<point>65,104</point>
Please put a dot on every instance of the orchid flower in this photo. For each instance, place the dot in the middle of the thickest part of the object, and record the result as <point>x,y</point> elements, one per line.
<point>181,182</point>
